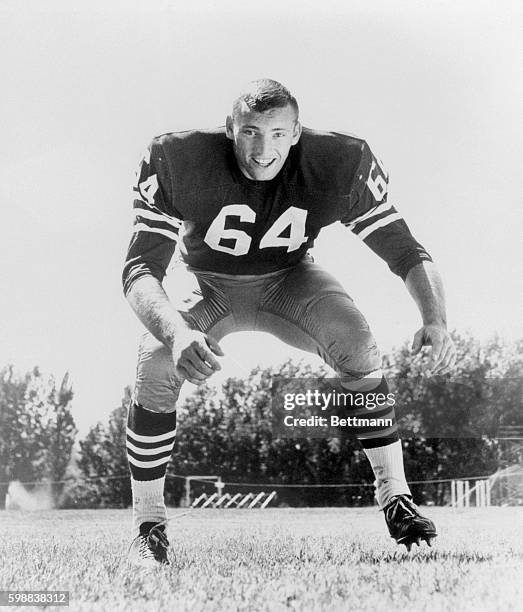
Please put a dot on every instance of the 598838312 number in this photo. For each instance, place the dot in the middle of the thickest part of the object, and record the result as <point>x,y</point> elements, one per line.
<point>34,598</point>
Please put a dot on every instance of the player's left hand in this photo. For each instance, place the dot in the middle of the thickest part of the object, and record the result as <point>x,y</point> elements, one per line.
<point>443,354</point>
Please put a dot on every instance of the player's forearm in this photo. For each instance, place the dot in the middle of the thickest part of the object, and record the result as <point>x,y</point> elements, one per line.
<point>426,287</point>
<point>152,306</point>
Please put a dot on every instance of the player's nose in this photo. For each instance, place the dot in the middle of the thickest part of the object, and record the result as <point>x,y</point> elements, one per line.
<point>263,147</point>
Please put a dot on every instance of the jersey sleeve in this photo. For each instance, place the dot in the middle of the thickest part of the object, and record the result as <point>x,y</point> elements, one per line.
<point>156,222</point>
<point>377,222</point>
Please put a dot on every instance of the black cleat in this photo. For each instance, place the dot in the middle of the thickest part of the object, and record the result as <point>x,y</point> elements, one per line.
<point>149,548</point>
<point>406,525</point>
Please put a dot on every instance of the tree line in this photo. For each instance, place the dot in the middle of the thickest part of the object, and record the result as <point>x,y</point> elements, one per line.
<point>450,428</point>
<point>37,430</point>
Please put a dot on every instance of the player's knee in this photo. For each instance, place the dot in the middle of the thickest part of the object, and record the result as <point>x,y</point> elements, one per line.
<point>360,357</point>
<point>157,386</point>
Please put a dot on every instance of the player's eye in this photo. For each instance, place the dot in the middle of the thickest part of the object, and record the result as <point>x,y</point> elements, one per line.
<point>279,134</point>
<point>249,132</point>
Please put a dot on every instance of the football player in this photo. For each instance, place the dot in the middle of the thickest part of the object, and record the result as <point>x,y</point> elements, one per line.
<point>251,198</point>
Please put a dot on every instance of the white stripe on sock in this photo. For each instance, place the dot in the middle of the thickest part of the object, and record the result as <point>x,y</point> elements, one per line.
<point>147,464</point>
<point>160,438</point>
<point>149,451</point>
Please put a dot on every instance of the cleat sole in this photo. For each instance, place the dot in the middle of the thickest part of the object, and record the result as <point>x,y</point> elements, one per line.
<point>408,541</point>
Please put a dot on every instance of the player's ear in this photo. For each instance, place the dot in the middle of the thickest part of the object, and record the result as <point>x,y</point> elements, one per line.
<point>297,133</point>
<point>228,128</point>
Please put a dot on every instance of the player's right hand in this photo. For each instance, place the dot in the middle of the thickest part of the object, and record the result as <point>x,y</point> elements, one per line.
<point>193,355</point>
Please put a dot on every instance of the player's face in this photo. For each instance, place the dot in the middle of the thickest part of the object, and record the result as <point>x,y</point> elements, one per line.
<point>262,141</point>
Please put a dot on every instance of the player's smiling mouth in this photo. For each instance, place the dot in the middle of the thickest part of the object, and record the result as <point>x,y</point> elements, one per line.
<point>263,163</point>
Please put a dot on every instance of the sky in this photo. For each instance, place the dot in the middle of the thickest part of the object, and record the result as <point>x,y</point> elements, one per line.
<point>435,88</point>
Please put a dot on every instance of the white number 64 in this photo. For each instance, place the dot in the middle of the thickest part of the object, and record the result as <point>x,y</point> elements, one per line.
<point>293,217</point>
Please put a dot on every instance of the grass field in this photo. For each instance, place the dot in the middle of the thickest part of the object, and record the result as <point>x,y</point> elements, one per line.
<point>275,559</point>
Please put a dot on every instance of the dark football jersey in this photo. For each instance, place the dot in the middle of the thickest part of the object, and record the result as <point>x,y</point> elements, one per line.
<point>190,190</point>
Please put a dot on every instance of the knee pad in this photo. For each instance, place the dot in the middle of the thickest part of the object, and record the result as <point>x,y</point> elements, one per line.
<point>359,357</point>
<point>157,387</point>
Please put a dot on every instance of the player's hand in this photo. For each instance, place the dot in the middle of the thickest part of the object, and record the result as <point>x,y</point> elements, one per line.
<point>443,354</point>
<point>193,356</point>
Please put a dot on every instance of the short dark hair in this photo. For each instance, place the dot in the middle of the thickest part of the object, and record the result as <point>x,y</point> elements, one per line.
<point>265,94</point>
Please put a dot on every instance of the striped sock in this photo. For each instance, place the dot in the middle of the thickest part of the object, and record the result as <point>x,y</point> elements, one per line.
<point>381,445</point>
<point>150,441</point>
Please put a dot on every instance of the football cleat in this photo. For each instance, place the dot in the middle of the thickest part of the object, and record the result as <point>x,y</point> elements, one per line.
<point>149,548</point>
<point>406,524</point>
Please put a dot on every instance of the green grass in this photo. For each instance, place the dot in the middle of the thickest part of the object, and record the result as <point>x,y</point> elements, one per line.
<point>275,559</point>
